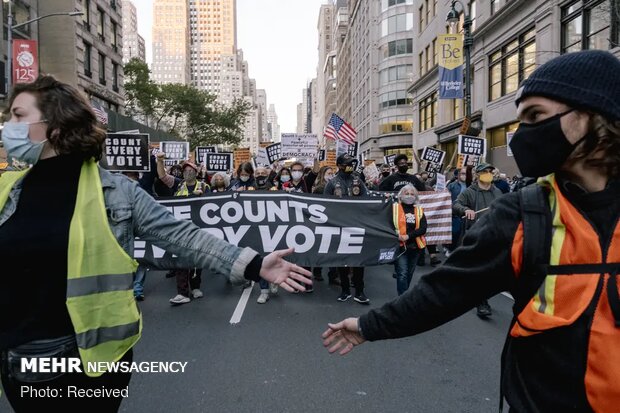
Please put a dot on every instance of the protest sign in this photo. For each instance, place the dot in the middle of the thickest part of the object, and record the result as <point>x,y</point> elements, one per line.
<point>371,172</point>
<point>299,146</point>
<point>322,155</point>
<point>127,152</point>
<point>433,155</point>
<point>241,155</point>
<point>509,136</point>
<point>219,162</point>
<point>389,159</point>
<point>472,145</point>
<point>467,160</point>
<point>175,150</point>
<point>322,230</point>
<point>261,157</point>
<point>201,151</point>
<point>441,182</point>
<point>274,152</point>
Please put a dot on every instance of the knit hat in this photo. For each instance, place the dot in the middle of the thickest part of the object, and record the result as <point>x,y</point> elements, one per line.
<point>586,80</point>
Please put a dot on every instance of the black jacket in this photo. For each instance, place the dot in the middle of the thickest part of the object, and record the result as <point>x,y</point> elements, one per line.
<point>397,180</point>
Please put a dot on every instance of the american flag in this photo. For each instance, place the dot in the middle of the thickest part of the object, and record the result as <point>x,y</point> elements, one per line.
<point>337,128</point>
<point>438,211</point>
<point>100,113</point>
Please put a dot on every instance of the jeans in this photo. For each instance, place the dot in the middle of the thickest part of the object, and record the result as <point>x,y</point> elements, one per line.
<point>404,267</point>
<point>138,280</point>
<point>264,285</point>
<point>188,280</point>
<point>358,279</point>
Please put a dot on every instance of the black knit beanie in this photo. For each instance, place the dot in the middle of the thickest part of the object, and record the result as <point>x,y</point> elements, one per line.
<point>588,80</point>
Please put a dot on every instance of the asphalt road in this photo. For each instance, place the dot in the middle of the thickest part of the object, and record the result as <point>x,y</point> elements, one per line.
<point>273,359</point>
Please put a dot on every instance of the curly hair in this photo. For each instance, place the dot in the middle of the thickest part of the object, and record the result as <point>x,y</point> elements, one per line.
<point>72,127</point>
<point>601,147</point>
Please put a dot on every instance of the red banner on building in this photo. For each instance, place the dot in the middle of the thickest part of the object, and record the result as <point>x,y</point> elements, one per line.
<point>25,61</point>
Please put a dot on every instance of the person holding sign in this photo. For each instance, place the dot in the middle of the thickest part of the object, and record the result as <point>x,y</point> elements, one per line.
<point>81,229</point>
<point>394,182</point>
<point>555,245</point>
<point>245,178</point>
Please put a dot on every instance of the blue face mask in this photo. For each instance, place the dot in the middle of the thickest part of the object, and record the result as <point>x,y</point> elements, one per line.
<point>18,144</point>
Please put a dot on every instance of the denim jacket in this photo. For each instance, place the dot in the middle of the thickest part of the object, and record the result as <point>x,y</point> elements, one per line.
<point>133,213</point>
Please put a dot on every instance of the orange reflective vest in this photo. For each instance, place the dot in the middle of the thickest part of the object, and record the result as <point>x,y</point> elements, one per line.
<point>580,274</point>
<point>400,223</point>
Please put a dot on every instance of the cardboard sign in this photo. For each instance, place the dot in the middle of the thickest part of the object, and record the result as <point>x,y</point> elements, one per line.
<point>509,136</point>
<point>175,150</point>
<point>127,152</point>
<point>371,172</point>
<point>389,159</point>
<point>342,147</point>
<point>472,145</point>
<point>299,146</point>
<point>433,155</point>
<point>241,155</point>
<point>330,159</point>
<point>219,162</point>
<point>274,152</point>
<point>261,157</point>
<point>201,151</point>
<point>441,182</point>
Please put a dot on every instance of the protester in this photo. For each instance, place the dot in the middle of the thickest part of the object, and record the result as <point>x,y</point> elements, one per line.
<point>456,188</point>
<point>326,174</point>
<point>300,182</point>
<point>261,176</point>
<point>397,180</point>
<point>220,182</point>
<point>283,177</point>
<point>473,203</point>
<point>81,230</point>
<point>560,354</point>
<point>345,184</point>
<point>410,224</point>
<point>164,186</point>
<point>245,178</point>
<point>499,180</point>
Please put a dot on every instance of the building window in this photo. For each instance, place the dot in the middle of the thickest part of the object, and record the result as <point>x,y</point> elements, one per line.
<point>421,22</point>
<point>495,6</point>
<point>397,98</point>
<point>496,137</point>
<point>395,124</point>
<point>395,73</point>
<point>397,47</point>
<point>587,25</point>
<point>385,4</point>
<point>457,109</point>
<point>114,35</point>
<point>429,9</point>
<point>115,77</point>
<point>399,23</point>
<point>428,112</point>
<point>510,65</point>
<point>101,25</point>
<point>102,68</point>
<point>434,8</point>
<point>87,59</point>
<point>472,14</point>
<point>86,15</point>
<point>427,53</point>
<point>435,57</point>
<point>421,64</point>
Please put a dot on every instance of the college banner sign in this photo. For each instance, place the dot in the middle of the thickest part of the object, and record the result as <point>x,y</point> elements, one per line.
<point>127,152</point>
<point>322,230</point>
<point>450,66</point>
<point>25,61</point>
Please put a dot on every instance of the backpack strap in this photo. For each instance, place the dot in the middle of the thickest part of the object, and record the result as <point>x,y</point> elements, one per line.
<point>536,216</point>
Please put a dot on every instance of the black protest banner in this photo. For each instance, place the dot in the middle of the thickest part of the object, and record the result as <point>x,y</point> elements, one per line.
<point>433,155</point>
<point>175,150</point>
<point>389,159</point>
<point>433,167</point>
<point>201,151</point>
<point>472,145</point>
<point>274,152</point>
<point>353,149</point>
<point>322,229</point>
<point>170,162</point>
<point>219,162</point>
<point>322,155</point>
<point>127,152</point>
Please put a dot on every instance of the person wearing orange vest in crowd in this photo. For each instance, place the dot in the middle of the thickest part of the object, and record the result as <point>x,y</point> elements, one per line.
<point>410,223</point>
<point>555,245</point>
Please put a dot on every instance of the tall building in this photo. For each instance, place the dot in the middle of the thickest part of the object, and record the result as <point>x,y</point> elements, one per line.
<point>213,33</point>
<point>171,42</point>
<point>325,45</point>
<point>86,53</point>
<point>133,43</point>
<point>272,124</point>
<point>261,104</point>
<point>343,67</point>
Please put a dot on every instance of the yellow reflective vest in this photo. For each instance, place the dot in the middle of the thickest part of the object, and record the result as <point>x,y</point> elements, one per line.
<point>100,300</point>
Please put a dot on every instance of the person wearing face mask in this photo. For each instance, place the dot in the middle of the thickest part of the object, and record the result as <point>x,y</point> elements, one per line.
<point>394,182</point>
<point>67,230</point>
<point>410,224</point>
<point>299,182</point>
<point>220,182</point>
<point>245,178</point>
<point>346,184</point>
<point>326,174</point>
<point>472,204</point>
<point>456,188</point>
<point>190,185</point>
<point>282,177</point>
<point>167,183</point>
<point>554,245</point>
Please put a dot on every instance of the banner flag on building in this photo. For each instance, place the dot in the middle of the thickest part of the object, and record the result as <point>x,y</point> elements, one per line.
<point>100,112</point>
<point>450,66</point>
<point>337,129</point>
<point>25,61</point>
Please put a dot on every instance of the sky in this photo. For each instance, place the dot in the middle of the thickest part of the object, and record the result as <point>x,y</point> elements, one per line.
<point>279,40</point>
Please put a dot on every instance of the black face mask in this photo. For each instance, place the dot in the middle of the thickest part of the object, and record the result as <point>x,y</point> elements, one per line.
<point>541,148</point>
<point>403,169</point>
<point>385,173</point>
<point>261,180</point>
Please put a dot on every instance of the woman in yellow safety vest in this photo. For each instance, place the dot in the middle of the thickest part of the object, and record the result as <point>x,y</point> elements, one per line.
<point>410,225</point>
<point>67,230</point>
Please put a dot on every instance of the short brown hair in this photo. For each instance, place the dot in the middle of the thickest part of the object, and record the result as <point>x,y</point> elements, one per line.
<point>601,147</point>
<point>72,127</point>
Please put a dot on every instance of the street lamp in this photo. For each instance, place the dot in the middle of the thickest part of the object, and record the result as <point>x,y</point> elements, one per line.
<point>453,18</point>
<point>17,26</point>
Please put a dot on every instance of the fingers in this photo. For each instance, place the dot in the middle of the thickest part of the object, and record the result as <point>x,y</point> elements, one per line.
<point>302,275</point>
<point>284,253</point>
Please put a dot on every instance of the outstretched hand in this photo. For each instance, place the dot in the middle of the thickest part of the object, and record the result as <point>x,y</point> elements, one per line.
<point>277,270</point>
<point>343,336</point>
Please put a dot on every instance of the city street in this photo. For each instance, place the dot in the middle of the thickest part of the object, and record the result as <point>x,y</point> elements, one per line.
<point>273,359</point>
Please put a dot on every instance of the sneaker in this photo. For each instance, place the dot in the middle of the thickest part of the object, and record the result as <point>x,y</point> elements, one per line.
<point>484,310</point>
<point>344,296</point>
<point>196,293</point>
<point>273,288</point>
<point>263,297</point>
<point>179,299</point>
<point>435,261</point>
<point>362,299</point>
<point>139,297</point>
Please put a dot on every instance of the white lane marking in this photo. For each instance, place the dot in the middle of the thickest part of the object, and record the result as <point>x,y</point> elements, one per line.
<point>243,302</point>
<point>505,294</point>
